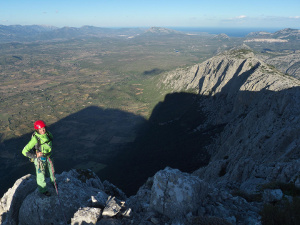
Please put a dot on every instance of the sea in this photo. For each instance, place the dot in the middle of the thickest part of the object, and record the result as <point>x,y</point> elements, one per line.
<point>231,32</point>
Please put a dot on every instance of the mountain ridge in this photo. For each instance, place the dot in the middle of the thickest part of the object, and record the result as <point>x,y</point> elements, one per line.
<point>286,33</point>
<point>253,99</point>
<point>29,33</point>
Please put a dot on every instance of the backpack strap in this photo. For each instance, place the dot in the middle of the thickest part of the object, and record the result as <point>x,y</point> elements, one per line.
<point>39,144</point>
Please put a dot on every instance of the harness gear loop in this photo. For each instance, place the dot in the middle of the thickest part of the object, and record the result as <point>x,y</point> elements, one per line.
<point>41,163</point>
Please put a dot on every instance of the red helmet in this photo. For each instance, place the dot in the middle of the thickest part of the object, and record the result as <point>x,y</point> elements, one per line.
<point>39,124</point>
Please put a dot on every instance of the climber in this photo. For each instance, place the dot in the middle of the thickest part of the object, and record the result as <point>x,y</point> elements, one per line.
<point>39,150</point>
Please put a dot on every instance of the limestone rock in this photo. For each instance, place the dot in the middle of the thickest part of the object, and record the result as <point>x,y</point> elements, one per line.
<point>270,195</point>
<point>73,194</point>
<point>81,200</point>
<point>260,109</point>
<point>112,208</point>
<point>175,193</point>
<point>13,198</point>
<point>99,201</point>
<point>85,216</point>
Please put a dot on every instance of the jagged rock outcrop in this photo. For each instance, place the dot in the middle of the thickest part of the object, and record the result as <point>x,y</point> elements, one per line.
<point>170,197</point>
<point>182,198</point>
<point>176,194</point>
<point>82,199</point>
<point>260,107</point>
<point>13,198</point>
<point>86,215</point>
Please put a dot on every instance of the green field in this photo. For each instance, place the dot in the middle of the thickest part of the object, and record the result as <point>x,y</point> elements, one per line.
<point>51,80</point>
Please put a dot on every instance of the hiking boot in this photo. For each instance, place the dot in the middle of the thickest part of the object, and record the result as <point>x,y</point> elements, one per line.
<point>47,193</point>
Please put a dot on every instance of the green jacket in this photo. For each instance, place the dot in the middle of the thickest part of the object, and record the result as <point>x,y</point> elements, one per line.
<point>45,147</point>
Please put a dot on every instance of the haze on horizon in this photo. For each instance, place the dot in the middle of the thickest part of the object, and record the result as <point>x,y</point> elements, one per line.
<point>146,13</point>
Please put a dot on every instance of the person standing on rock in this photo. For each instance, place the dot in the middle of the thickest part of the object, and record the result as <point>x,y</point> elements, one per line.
<point>39,150</point>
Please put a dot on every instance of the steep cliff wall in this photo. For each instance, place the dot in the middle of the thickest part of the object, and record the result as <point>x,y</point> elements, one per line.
<point>260,107</point>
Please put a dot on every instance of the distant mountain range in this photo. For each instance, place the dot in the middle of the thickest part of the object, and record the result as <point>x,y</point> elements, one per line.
<point>18,33</point>
<point>39,33</point>
<point>282,34</point>
<point>162,31</point>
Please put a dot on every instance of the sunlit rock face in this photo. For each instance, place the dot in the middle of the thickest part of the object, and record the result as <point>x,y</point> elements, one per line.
<point>260,107</point>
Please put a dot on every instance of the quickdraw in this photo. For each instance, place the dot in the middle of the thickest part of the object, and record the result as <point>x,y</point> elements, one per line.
<point>41,164</point>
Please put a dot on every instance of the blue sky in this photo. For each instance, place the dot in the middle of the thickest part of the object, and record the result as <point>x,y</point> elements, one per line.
<point>147,13</point>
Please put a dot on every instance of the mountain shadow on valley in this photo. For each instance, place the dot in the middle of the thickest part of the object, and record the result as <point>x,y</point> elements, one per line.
<point>86,139</point>
<point>126,149</point>
<point>169,138</point>
<point>119,146</point>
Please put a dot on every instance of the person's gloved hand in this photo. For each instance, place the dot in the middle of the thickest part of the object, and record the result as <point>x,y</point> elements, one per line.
<point>39,154</point>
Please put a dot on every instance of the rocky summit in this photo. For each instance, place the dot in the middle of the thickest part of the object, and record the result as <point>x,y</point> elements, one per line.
<point>254,158</point>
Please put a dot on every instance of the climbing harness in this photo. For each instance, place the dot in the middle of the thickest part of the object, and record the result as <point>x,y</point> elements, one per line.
<point>55,185</point>
<point>39,144</point>
<point>41,164</point>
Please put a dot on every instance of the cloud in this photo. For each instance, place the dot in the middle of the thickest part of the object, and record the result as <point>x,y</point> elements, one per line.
<point>237,18</point>
<point>294,17</point>
<point>241,17</point>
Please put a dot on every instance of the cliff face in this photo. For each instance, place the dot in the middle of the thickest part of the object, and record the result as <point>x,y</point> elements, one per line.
<point>260,107</point>
<point>286,63</point>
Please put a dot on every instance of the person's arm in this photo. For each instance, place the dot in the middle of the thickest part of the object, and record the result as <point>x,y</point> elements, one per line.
<point>27,149</point>
<point>50,137</point>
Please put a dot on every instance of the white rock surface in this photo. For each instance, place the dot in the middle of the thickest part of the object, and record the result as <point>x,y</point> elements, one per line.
<point>86,215</point>
<point>174,194</point>
<point>260,110</point>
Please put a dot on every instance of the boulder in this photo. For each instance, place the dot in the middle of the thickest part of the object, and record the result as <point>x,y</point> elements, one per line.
<point>272,195</point>
<point>112,207</point>
<point>115,207</point>
<point>99,201</point>
<point>85,216</point>
<point>74,193</point>
<point>13,198</point>
<point>174,193</point>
